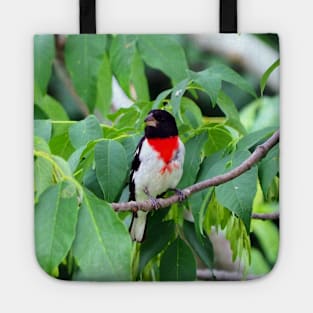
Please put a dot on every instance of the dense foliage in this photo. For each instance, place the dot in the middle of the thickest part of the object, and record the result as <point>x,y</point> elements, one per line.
<point>83,150</point>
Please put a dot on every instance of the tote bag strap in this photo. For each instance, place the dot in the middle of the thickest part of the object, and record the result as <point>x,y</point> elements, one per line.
<point>87,16</point>
<point>228,16</point>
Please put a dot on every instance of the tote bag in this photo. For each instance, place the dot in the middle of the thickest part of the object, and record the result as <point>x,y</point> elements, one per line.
<point>156,157</point>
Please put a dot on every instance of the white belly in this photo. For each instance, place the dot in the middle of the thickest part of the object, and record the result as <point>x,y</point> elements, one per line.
<point>156,176</point>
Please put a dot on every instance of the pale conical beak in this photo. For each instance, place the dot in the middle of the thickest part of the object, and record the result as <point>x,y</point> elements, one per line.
<point>151,121</point>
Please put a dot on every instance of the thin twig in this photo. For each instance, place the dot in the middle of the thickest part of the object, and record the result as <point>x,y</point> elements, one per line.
<point>265,216</point>
<point>223,275</point>
<point>255,157</point>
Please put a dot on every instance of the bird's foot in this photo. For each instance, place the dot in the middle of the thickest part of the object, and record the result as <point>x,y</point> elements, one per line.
<point>155,202</point>
<point>181,195</point>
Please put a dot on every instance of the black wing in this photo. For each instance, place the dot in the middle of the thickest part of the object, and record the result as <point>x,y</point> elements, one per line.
<point>134,168</point>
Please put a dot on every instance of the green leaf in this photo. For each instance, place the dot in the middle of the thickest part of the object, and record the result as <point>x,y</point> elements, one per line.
<point>227,74</point>
<point>82,160</point>
<point>44,52</point>
<point>90,181</point>
<point>39,114</point>
<point>130,144</point>
<point>111,168</point>
<point>218,138</point>
<point>228,107</point>
<point>164,53</point>
<point>128,67</point>
<point>255,138</point>
<point>55,224</point>
<point>193,149</point>
<point>43,129</point>
<point>157,237</point>
<point>83,59</point>
<point>53,109</point>
<point>238,194</point>
<point>159,101</point>
<point>63,165</point>
<point>177,94</point>
<point>61,145</point>
<point>268,237</point>
<point>267,74</point>
<point>102,247</point>
<point>198,203</point>
<point>178,263</point>
<point>200,200</point>
<point>84,131</point>
<point>122,53</point>
<point>104,87</point>
<point>127,117</point>
<point>215,214</point>
<point>61,127</point>
<point>261,113</point>
<point>211,166</point>
<point>75,158</point>
<point>41,145</point>
<point>191,113</point>
<point>138,78</point>
<point>259,266</point>
<point>268,169</point>
<point>43,175</point>
<point>201,245</point>
<point>211,80</point>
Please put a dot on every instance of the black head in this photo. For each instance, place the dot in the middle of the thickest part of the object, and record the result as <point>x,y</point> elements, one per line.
<point>160,124</point>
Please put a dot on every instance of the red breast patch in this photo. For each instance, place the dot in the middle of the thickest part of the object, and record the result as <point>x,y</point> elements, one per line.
<point>166,147</point>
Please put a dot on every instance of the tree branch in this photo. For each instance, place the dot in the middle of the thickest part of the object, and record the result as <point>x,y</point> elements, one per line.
<point>258,154</point>
<point>265,216</point>
<point>219,275</point>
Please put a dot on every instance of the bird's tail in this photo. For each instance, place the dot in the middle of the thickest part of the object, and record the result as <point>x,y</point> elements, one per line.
<point>137,227</point>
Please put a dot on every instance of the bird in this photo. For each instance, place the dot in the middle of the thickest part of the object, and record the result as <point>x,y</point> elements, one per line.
<point>157,166</point>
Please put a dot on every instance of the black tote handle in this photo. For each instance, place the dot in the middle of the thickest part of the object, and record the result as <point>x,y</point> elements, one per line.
<point>87,16</point>
<point>228,16</point>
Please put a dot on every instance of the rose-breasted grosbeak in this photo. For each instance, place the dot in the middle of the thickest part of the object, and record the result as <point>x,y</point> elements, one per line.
<point>157,165</point>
